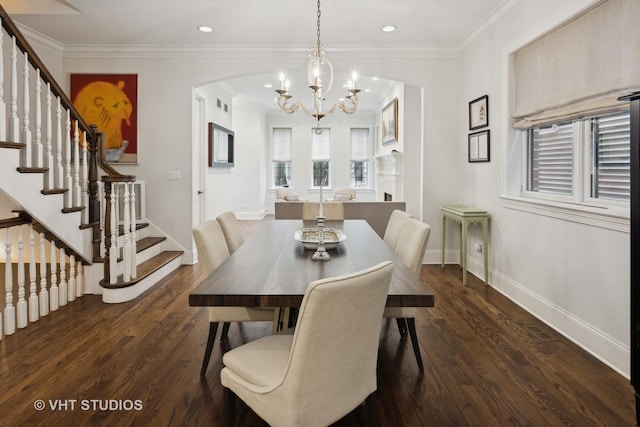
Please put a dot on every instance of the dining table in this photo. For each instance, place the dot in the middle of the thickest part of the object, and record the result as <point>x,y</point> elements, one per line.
<point>273,269</point>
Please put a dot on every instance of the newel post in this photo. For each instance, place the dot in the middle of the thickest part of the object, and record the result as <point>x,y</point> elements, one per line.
<point>92,188</point>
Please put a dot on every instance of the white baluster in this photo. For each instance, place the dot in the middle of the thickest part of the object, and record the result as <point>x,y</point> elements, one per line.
<point>37,141</point>
<point>21,306</point>
<point>33,290</point>
<point>134,245</point>
<point>84,177</point>
<point>77,193</point>
<point>3,108</point>
<point>71,295</point>
<point>113,249</point>
<point>59,171</point>
<point>44,292</point>
<point>54,294</point>
<point>80,280</point>
<point>126,251</point>
<point>62,291</point>
<point>14,122</point>
<point>68,180</point>
<point>9,309</point>
<point>49,180</point>
<point>25,153</point>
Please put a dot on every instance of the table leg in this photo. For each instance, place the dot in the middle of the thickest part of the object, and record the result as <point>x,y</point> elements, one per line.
<point>463,251</point>
<point>444,221</point>
<point>485,249</point>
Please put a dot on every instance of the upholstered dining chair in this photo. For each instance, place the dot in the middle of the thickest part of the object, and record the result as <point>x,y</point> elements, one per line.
<point>394,226</point>
<point>213,251</point>
<point>326,368</point>
<point>333,211</point>
<point>231,230</point>
<point>410,248</point>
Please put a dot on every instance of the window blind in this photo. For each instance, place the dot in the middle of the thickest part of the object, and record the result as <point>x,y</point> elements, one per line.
<point>320,145</point>
<point>282,144</point>
<point>611,176</point>
<point>359,144</point>
<point>579,69</point>
<point>552,159</point>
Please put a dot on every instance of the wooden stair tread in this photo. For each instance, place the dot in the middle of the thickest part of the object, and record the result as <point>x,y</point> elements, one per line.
<point>145,269</point>
<point>54,191</point>
<point>15,145</point>
<point>148,242</point>
<point>32,170</point>
<point>139,225</point>
<point>73,209</point>
<point>143,244</point>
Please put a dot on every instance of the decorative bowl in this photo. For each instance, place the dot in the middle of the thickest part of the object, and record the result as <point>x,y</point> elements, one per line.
<point>309,237</point>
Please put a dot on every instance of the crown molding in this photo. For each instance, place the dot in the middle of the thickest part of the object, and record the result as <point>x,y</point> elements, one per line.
<point>183,51</point>
<point>41,41</point>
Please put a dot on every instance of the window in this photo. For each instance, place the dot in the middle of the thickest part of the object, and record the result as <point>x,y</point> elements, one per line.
<point>360,157</point>
<point>321,157</point>
<point>281,157</point>
<point>584,161</point>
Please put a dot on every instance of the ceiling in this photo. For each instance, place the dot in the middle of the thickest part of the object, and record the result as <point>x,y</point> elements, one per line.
<point>241,24</point>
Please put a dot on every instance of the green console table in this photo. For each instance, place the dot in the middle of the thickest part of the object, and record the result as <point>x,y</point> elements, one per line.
<point>465,215</point>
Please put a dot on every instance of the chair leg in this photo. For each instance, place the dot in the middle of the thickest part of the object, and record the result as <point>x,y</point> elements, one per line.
<point>402,326</point>
<point>411,324</point>
<point>371,416</point>
<point>225,331</point>
<point>229,411</point>
<point>213,328</point>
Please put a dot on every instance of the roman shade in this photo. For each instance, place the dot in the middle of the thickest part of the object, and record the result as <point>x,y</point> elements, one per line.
<point>580,68</point>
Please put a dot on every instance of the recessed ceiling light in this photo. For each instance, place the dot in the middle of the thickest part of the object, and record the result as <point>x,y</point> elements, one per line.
<point>389,28</point>
<point>268,85</point>
<point>205,29</point>
<point>374,78</point>
<point>367,90</point>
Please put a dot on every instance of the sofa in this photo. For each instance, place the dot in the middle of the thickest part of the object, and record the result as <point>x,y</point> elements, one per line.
<point>375,213</point>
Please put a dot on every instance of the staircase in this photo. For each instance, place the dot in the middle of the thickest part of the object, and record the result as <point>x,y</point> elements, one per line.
<point>50,181</point>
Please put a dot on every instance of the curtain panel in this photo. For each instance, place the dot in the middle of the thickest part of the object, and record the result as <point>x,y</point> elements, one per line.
<point>580,68</point>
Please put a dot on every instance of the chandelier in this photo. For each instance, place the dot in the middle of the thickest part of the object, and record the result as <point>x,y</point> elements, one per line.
<point>318,68</point>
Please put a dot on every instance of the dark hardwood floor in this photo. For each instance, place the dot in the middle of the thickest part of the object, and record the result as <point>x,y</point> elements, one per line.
<point>487,363</point>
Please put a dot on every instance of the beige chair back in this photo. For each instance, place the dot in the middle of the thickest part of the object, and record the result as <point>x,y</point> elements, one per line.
<point>330,366</point>
<point>333,211</point>
<point>412,242</point>
<point>231,230</point>
<point>394,226</point>
<point>211,245</point>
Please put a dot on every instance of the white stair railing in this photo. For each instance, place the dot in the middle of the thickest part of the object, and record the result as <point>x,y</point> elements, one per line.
<point>39,301</point>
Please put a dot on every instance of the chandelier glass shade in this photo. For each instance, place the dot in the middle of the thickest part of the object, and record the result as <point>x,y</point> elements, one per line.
<point>320,82</point>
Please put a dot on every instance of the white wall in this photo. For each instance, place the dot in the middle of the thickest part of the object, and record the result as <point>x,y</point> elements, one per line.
<point>573,276</point>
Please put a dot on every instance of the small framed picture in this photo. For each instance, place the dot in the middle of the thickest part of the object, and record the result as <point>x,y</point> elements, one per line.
<point>479,113</point>
<point>479,146</point>
<point>390,122</point>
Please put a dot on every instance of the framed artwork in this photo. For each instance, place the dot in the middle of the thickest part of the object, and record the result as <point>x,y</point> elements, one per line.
<point>479,146</point>
<point>110,101</point>
<point>221,146</point>
<point>390,122</point>
<point>479,113</point>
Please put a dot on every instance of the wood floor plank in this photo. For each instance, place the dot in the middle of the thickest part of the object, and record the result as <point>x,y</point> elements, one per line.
<point>487,362</point>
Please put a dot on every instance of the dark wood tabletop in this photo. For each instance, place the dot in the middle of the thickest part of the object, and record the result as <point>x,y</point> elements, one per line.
<point>272,269</point>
